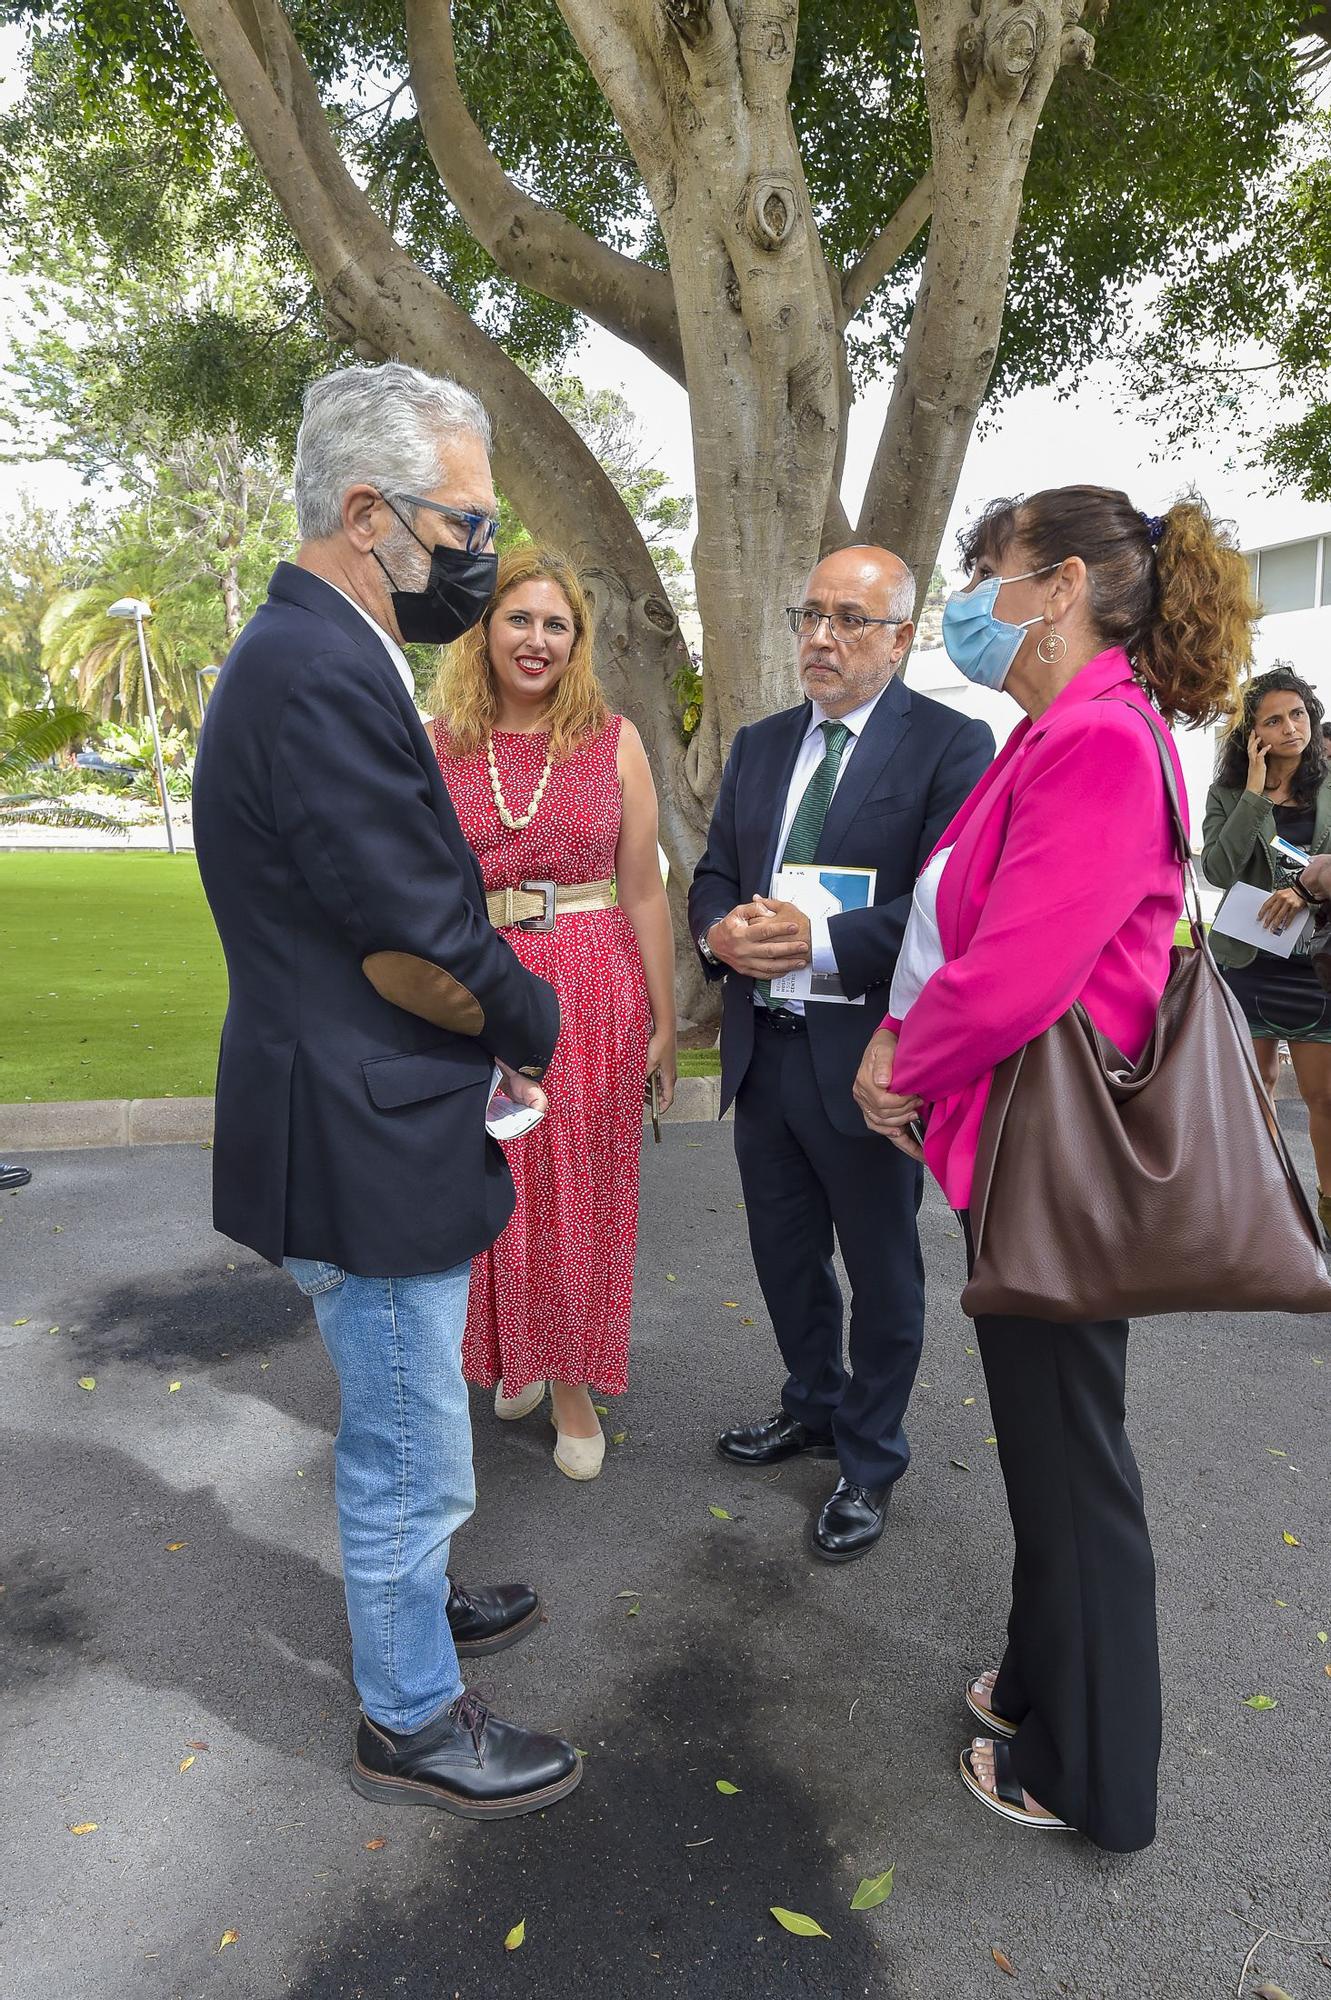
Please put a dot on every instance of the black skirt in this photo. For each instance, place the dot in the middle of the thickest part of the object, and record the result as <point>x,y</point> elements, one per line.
<point>1282,998</point>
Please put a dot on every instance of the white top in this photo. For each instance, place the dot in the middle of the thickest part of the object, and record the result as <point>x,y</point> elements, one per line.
<point>394,651</point>
<point>921,954</point>
<point>812,751</point>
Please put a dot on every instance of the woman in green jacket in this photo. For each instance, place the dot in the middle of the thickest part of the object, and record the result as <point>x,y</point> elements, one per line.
<point>1273,779</point>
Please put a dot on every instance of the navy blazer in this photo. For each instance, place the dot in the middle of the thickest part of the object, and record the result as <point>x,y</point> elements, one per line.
<point>368,989</point>
<point>915,762</point>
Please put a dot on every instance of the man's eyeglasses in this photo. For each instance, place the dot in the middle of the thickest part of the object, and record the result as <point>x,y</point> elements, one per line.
<point>848,626</point>
<point>481,528</point>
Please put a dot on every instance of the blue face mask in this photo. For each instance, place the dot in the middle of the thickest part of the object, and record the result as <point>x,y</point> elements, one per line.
<point>980,644</point>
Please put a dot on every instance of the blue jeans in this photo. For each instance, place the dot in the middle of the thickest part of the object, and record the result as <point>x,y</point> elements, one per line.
<point>404,1475</point>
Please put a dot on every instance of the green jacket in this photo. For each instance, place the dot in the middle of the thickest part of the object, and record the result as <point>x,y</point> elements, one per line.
<point>1236,833</point>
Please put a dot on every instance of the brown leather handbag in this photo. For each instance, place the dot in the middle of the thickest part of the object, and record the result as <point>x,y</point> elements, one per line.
<point>1106,1189</point>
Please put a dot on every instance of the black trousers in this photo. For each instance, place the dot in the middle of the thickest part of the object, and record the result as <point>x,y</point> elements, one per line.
<point>1081,1674</point>
<point>804,1182</point>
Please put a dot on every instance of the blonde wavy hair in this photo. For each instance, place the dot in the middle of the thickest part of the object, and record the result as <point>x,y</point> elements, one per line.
<point>464,694</point>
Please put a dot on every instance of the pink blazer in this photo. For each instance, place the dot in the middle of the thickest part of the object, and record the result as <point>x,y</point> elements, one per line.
<point>1063,885</point>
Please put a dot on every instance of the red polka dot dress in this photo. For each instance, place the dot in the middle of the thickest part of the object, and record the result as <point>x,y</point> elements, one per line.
<point>551,1299</point>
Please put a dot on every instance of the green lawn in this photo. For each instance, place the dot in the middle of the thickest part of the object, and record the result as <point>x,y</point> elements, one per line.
<point>111,979</point>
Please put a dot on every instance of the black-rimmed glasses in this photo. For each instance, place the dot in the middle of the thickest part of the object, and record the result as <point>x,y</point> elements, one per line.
<point>848,626</point>
<point>481,528</point>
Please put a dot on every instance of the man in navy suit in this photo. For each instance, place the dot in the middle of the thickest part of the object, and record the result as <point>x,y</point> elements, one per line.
<point>863,774</point>
<point>369,999</point>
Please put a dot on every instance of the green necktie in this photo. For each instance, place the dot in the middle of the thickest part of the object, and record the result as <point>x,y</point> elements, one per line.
<point>806,828</point>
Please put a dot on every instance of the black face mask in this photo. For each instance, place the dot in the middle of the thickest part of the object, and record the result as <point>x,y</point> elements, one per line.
<point>456,592</point>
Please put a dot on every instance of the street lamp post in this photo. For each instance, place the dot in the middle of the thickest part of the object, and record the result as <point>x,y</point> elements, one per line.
<point>135,608</point>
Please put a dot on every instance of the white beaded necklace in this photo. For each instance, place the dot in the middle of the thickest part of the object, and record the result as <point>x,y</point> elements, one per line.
<point>515,822</point>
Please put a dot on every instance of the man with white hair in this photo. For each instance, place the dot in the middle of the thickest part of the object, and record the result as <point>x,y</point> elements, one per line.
<point>863,774</point>
<point>369,999</point>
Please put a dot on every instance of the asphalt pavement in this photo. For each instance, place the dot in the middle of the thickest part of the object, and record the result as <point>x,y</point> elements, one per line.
<point>174,1660</point>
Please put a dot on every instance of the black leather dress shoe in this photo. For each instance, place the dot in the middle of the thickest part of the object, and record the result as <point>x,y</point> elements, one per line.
<point>465,1761</point>
<point>14,1177</point>
<point>491,1616</point>
<point>852,1519</point>
<point>782,1436</point>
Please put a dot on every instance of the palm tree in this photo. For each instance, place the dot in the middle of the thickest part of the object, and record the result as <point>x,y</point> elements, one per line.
<point>28,740</point>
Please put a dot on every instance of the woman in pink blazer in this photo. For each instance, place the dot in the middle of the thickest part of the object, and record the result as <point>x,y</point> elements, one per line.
<point>1057,882</point>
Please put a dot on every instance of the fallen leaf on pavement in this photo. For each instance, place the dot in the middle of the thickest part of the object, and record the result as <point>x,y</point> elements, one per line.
<point>991,1440</point>
<point>1277,1454</point>
<point>20,1322</point>
<point>373,1846</point>
<point>172,1547</point>
<point>1003,1962</point>
<point>628,1593</point>
<point>228,1937</point>
<point>960,1464</point>
<point>600,1409</point>
<point>85,1826</point>
<point>191,1743</point>
<point>731,1302</point>
<point>87,1381</point>
<point>746,1322</point>
<point>185,1763</point>
<point>873,1890</point>
<point>966,1402</point>
<point>1321,1638</point>
<point>671,1276</point>
<point>619,1437</point>
<point>801,1926</point>
<point>1260,1701</point>
<point>1268,1990</point>
<point>172,1387</point>
<point>718,1513</point>
<point>1292,1540</point>
<point>517,1936</point>
<point>727,1790</point>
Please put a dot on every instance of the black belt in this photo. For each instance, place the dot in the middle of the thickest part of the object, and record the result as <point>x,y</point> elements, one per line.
<point>781,1020</point>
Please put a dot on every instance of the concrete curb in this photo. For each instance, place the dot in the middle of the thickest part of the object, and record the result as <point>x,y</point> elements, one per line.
<point>188,1121</point>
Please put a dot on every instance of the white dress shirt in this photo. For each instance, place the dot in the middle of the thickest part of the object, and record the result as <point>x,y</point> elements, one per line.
<point>812,751</point>
<point>921,954</point>
<point>394,651</point>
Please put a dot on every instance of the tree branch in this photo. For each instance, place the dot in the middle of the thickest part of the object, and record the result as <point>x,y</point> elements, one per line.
<point>888,248</point>
<point>535,246</point>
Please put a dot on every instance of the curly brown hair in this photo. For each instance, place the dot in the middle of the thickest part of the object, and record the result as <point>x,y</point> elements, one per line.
<point>1175,593</point>
<point>464,691</point>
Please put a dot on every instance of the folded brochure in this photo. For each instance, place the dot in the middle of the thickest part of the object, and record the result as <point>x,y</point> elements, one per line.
<point>821,890</point>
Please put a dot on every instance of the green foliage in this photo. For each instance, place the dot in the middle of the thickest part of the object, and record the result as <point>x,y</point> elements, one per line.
<point>29,740</point>
<point>1143,161</point>
<point>1256,316</point>
<point>38,559</point>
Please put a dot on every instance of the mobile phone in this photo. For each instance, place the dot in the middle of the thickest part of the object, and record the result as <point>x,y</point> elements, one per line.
<point>1288,852</point>
<point>653,1095</point>
<point>916,1130</point>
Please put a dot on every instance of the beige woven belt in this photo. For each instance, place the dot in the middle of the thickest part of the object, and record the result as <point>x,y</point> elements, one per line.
<point>533,906</point>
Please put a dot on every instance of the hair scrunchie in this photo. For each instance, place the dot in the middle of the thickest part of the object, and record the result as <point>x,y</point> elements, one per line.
<point>1155,528</point>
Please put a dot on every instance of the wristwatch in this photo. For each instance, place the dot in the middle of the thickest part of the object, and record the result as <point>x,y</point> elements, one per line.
<point>707,951</point>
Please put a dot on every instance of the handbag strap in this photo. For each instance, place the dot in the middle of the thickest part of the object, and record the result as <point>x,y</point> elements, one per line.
<point>1192,894</point>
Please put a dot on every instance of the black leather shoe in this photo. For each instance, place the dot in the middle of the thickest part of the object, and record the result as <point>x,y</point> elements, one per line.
<point>491,1616</point>
<point>852,1519</point>
<point>465,1761</point>
<point>14,1177</point>
<point>782,1436</point>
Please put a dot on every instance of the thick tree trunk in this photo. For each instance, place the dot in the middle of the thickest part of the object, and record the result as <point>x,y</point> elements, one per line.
<point>700,88</point>
<point>989,66</point>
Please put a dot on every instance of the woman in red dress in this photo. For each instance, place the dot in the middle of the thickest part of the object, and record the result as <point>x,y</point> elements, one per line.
<point>551,788</point>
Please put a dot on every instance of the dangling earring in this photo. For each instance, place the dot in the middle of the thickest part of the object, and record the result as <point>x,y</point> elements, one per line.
<point>1052,648</point>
